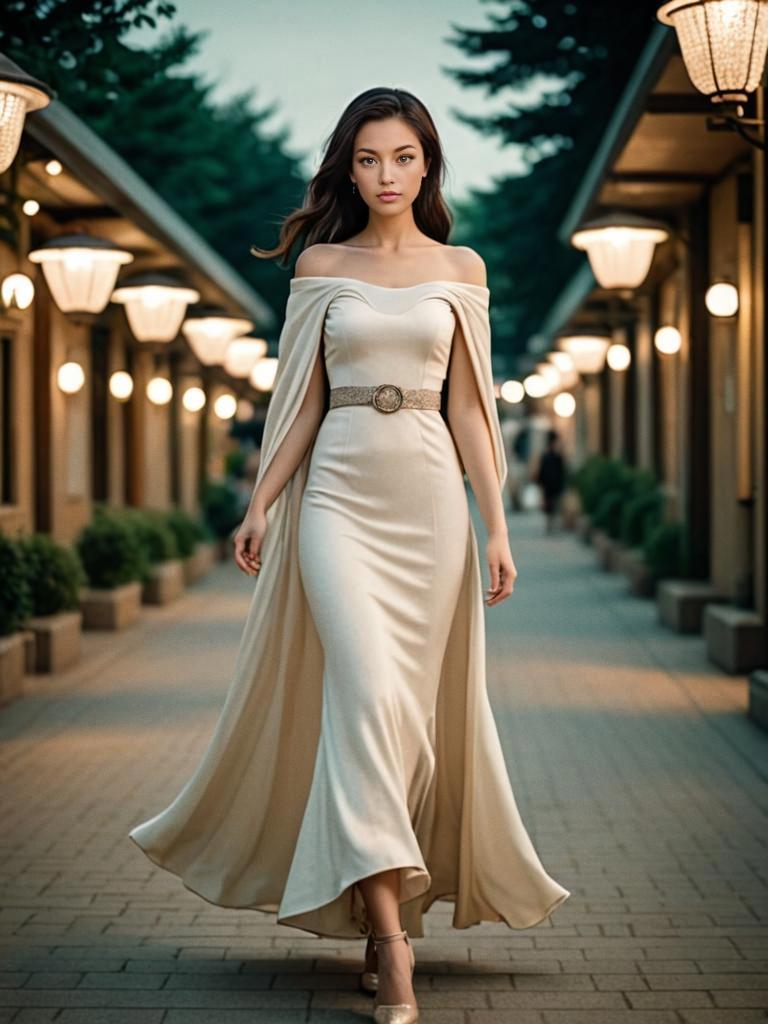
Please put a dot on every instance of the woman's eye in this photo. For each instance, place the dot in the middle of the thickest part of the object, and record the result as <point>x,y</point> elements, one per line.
<point>407,156</point>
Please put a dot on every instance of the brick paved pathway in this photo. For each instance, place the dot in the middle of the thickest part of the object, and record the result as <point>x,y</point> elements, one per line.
<point>639,777</point>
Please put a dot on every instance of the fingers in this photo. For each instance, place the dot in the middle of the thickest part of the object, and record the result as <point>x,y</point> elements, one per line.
<point>246,560</point>
<point>504,577</point>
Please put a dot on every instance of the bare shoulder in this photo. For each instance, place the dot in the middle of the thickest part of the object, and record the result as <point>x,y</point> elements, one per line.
<point>318,260</point>
<point>469,265</point>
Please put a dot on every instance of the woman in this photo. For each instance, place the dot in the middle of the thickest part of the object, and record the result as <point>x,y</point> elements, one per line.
<point>355,775</point>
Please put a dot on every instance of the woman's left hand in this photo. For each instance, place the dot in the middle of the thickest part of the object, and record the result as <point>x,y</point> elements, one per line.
<point>502,569</point>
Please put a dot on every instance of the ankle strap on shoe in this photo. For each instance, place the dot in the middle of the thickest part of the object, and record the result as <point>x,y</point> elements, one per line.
<point>389,938</point>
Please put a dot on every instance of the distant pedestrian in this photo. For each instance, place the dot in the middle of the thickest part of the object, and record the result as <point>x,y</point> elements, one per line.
<point>551,478</point>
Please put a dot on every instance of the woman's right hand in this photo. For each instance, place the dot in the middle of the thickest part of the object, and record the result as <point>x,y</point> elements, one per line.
<point>248,540</point>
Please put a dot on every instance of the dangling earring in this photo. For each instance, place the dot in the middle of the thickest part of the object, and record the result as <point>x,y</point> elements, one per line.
<point>354,188</point>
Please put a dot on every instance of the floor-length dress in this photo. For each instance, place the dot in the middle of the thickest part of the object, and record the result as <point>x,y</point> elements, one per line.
<point>401,766</point>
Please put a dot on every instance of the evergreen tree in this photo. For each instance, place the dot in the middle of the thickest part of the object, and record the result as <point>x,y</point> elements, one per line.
<point>572,59</point>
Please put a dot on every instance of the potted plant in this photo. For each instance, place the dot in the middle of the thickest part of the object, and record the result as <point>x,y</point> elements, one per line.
<point>222,512</point>
<point>15,607</point>
<point>163,580</point>
<point>641,513</point>
<point>194,541</point>
<point>55,576</point>
<point>115,564</point>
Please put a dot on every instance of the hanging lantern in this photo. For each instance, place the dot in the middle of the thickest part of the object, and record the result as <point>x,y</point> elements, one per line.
<point>242,355</point>
<point>550,373</point>
<point>80,270</point>
<point>210,329</point>
<point>155,305</point>
<point>262,376</point>
<point>723,43</point>
<point>20,94</point>
<point>536,386</point>
<point>588,351</point>
<point>620,247</point>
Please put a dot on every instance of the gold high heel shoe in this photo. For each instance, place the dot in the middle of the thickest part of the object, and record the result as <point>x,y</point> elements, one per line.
<point>369,980</point>
<point>395,1013</point>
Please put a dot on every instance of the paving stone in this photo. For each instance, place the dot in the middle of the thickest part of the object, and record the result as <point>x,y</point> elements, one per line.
<point>635,768</point>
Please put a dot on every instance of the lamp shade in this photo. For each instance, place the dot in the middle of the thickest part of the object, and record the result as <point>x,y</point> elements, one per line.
<point>19,93</point>
<point>80,270</point>
<point>262,376</point>
<point>242,354</point>
<point>588,351</point>
<point>155,305</point>
<point>620,247</point>
<point>210,329</point>
<point>723,43</point>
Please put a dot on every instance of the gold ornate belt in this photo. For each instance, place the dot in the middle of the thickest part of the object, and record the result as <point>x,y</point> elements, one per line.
<point>386,397</point>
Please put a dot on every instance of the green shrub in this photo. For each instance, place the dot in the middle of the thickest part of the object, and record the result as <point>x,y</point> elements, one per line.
<point>595,478</point>
<point>110,550</point>
<point>54,574</point>
<point>15,598</point>
<point>187,530</point>
<point>667,550</point>
<point>607,513</point>
<point>235,462</point>
<point>221,507</point>
<point>153,532</point>
<point>639,515</point>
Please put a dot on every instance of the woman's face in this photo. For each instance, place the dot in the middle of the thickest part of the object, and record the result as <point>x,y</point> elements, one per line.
<point>388,157</point>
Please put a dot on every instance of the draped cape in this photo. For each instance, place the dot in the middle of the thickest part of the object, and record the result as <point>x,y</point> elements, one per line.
<point>230,833</point>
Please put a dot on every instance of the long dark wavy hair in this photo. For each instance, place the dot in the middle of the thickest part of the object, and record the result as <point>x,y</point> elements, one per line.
<point>331,212</point>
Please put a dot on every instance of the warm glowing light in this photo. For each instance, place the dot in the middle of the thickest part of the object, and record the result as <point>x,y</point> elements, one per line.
<point>550,373</point>
<point>620,248</point>
<point>159,390</point>
<point>562,360</point>
<point>121,385</point>
<point>536,386</point>
<point>245,410</point>
<point>241,355</point>
<point>225,406</point>
<point>723,43</point>
<point>587,351</point>
<point>722,299</point>
<point>564,404</point>
<point>618,357</point>
<point>209,333</point>
<point>668,340</point>
<point>155,305</point>
<point>512,391</point>
<point>80,270</point>
<point>30,207</point>
<point>262,376</point>
<point>20,94</point>
<point>53,167</point>
<point>193,399</point>
<point>17,291</point>
<point>70,377</point>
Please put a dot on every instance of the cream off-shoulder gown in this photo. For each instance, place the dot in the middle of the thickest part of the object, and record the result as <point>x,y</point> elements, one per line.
<point>357,735</point>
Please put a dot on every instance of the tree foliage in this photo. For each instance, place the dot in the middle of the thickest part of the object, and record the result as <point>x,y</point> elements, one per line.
<point>217,164</point>
<point>561,66</point>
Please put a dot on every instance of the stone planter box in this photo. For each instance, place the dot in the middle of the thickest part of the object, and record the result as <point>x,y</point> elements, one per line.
<point>200,561</point>
<point>584,528</point>
<point>632,563</point>
<point>735,638</point>
<point>165,583</point>
<point>607,550</point>
<point>57,640</point>
<point>11,667</point>
<point>570,510</point>
<point>681,603</point>
<point>115,608</point>
<point>29,650</point>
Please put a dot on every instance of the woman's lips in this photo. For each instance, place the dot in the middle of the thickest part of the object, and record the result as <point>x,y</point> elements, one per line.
<point>387,197</point>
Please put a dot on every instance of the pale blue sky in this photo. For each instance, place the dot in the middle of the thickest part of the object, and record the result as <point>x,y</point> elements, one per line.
<point>314,56</point>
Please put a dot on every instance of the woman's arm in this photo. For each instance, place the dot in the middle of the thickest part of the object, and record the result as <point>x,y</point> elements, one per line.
<point>469,428</point>
<point>285,461</point>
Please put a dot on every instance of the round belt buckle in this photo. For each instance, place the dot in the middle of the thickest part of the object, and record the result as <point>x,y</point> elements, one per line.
<point>387,397</point>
